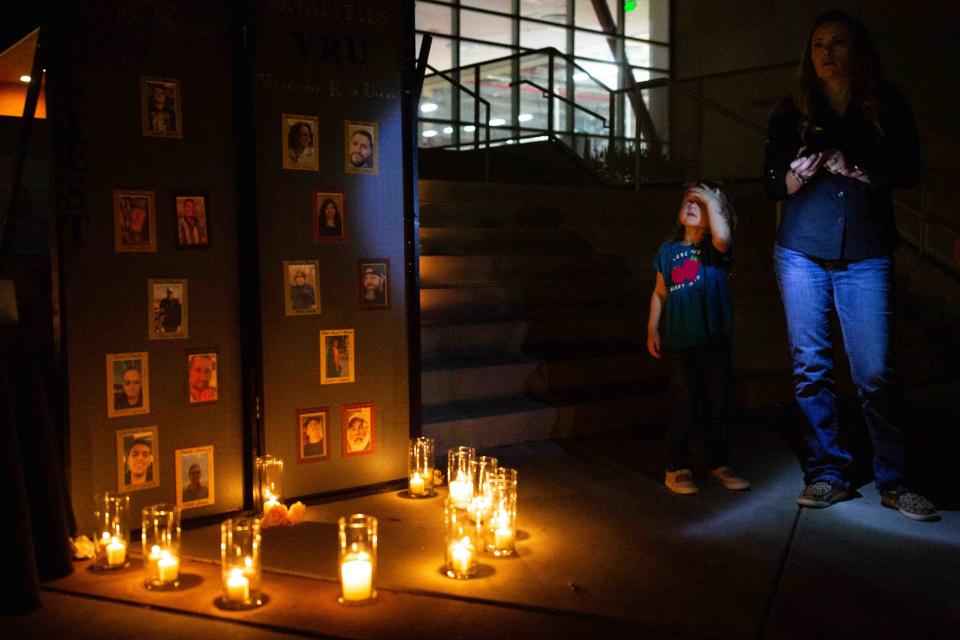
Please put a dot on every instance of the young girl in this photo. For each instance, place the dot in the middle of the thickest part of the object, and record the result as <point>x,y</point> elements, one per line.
<point>692,285</point>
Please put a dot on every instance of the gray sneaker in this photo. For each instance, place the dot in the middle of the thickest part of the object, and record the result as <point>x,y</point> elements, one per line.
<point>913,505</point>
<point>822,493</point>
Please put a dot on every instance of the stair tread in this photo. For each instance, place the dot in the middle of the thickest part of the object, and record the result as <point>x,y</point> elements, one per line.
<point>520,403</point>
<point>545,352</point>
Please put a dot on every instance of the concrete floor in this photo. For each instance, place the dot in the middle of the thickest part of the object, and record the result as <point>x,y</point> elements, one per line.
<point>605,551</point>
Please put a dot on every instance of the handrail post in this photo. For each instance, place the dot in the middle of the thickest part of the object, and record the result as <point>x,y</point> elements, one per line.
<point>476,107</point>
<point>550,97</point>
<point>611,121</point>
<point>636,146</point>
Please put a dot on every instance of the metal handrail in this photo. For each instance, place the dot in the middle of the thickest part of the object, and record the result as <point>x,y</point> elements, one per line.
<point>548,93</point>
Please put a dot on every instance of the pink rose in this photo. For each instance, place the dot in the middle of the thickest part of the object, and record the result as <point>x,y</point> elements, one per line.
<point>295,513</point>
<point>274,516</point>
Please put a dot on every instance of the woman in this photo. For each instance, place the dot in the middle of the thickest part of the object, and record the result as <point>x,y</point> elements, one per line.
<point>329,223</point>
<point>835,151</point>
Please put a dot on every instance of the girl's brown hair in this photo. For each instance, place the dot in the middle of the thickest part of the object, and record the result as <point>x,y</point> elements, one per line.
<point>726,207</point>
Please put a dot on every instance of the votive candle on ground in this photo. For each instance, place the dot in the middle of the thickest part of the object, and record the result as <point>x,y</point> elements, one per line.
<point>116,553</point>
<point>238,587</point>
<point>416,485</point>
<point>356,575</point>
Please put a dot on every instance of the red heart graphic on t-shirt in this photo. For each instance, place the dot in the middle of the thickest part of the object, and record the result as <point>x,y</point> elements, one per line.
<point>686,272</point>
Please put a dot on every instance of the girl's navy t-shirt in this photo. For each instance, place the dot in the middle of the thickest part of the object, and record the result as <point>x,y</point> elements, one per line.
<point>698,303</point>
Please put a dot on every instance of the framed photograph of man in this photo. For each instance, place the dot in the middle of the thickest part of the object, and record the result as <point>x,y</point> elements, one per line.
<point>299,142</point>
<point>359,430</point>
<point>360,153</point>
<point>336,356</point>
<point>134,221</point>
<point>193,229</point>
<point>301,287</point>
<point>160,107</point>
<point>374,275</point>
<point>202,368</point>
<point>312,434</point>
<point>329,216</point>
<point>138,462</point>
<point>194,477</point>
<point>167,311</point>
<point>128,384</point>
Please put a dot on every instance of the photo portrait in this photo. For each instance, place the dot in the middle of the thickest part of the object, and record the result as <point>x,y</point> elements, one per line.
<point>194,476</point>
<point>312,437</point>
<point>167,314</point>
<point>329,216</point>
<point>336,356</point>
<point>299,142</point>
<point>128,389</point>
<point>301,287</point>
<point>202,376</point>
<point>160,107</point>
<point>374,282</point>
<point>358,430</point>
<point>360,153</point>
<point>192,228</point>
<point>138,462</point>
<point>134,221</point>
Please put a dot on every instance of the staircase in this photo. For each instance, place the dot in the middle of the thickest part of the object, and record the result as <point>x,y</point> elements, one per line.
<point>534,305</point>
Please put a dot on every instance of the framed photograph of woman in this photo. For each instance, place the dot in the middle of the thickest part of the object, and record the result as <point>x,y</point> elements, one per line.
<point>194,477</point>
<point>336,356</point>
<point>167,311</point>
<point>301,287</point>
<point>359,430</point>
<point>360,153</point>
<point>329,216</point>
<point>138,462</point>
<point>193,230</point>
<point>128,384</point>
<point>160,107</point>
<point>374,275</point>
<point>202,370</point>
<point>312,434</point>
<point>134,221</point>
<point>299,135</point>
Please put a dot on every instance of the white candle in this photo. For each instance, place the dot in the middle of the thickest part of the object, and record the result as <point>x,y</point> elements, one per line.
<point>238,586</point>
<point>152,560</point>
<point>116,553</point>
<point>461,556</point>
<point>460,492</point>
<point>504,537</point>
<point>168,567</point>
<point>356,577</point>
<point>416,484</point>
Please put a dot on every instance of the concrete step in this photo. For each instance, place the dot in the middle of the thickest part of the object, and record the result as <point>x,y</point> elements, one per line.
<point>512,269</point>
<point>535,374</point>
<point>492,422</point>
<point>517,298</point>
<point>516,215</point>
<point>440,241</point>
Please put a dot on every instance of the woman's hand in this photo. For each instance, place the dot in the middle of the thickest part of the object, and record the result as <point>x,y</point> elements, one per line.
<point>836,162</point>
<point>805,166</point>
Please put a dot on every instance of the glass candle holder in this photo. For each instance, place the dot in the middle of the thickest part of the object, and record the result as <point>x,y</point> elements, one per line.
<point>160,535</point>
<point>420,467</point>
<point>460,475</point>
<point>461,542</point>
<point>484,468</point>
<point>500,528</point>
<point>358,559</point>
<point>240,562</point>
<point>267,482</point>
<point>111,537</point>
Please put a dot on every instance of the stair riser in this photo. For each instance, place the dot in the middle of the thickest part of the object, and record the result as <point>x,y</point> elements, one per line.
<point>440,270</point>
<point>453,385</point>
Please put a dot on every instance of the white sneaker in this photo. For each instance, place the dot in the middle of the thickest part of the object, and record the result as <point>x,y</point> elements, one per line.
<point>681,481</point>
<point>725,477</point>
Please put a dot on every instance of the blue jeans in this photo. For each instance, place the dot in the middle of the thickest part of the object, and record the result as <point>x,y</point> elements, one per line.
<point>861,292</point>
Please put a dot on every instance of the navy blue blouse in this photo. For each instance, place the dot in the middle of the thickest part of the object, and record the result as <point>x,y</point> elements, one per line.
<point>833,217</point>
